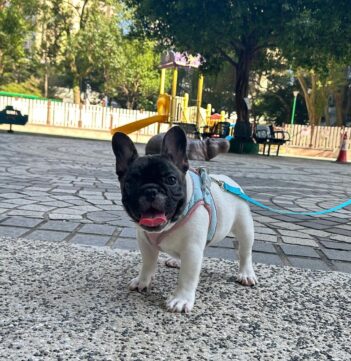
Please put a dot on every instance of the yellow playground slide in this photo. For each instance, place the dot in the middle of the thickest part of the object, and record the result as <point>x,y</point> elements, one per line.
<point>134,126</point>
<point>163,105</point>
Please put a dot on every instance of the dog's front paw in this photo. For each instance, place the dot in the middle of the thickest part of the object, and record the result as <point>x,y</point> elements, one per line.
<point>139,284</point>
<point>247,276</point>
<point>172,263</point>
<point>180,304</point>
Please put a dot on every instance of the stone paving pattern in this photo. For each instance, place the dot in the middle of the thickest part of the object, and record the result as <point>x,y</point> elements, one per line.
<point>65,190</point>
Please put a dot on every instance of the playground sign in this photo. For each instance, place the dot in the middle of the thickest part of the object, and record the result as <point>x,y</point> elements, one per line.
<point>172,59</point>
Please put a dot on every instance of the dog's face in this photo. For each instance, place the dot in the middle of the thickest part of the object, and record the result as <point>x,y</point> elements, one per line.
<point>153,187</point>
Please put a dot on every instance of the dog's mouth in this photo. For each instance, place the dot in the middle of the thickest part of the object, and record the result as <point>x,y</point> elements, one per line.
<point>153,219</point>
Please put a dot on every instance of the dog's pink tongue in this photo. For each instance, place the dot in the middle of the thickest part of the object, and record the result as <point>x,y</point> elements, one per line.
<point>154,220</point>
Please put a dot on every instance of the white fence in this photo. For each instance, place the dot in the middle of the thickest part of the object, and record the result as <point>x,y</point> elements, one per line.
<point>321,138</point>
<point>95,117</point>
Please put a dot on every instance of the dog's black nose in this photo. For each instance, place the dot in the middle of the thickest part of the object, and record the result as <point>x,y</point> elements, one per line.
<point>150,193</point>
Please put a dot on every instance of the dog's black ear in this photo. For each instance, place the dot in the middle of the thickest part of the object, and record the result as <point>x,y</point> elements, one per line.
<point>174,148</point>
<point>125,153</point>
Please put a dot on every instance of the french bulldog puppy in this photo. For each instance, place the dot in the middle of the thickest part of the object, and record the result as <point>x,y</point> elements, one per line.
<point>197,149</point>
<point>156,193</point>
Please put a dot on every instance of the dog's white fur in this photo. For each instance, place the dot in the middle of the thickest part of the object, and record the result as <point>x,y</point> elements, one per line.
<point>187,243</point>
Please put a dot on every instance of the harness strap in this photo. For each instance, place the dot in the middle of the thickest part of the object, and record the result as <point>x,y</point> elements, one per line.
<point>202,187</point>
<point>156,238</point>
<point>201,196</point>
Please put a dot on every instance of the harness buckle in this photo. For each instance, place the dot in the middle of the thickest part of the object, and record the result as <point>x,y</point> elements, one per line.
<point>221,184</point>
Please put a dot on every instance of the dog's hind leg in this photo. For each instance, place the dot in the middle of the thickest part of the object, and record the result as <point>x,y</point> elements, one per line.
<point>243,229</point>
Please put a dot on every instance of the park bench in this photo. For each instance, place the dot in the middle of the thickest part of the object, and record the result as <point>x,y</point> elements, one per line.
<point>266,135</point>
<point>10,116</point>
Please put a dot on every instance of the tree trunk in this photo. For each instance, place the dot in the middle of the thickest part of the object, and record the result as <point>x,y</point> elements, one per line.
<point>310,100</point>
<point>242,69</point>
<point>242,87</point>
<point>46,82</point>
<point>2,65</point>
<point>339,95</point>
<point>327,115</point>
<point>129,103</point>
<point>348,103</point>
<point>310,96</point>
<point>76,90</point>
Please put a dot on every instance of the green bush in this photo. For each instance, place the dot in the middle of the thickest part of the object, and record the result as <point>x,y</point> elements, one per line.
<point>29,87</point>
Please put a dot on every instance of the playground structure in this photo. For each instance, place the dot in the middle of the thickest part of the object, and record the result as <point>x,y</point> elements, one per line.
<point>172,108</point>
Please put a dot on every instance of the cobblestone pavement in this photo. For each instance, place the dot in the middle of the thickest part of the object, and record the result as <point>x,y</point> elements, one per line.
<point>65,190</point>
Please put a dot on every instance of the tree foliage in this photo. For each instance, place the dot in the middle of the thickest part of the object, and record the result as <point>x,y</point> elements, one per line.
<point>306,32</point>
<point>136,80</point>
<point>318,48</point>
<point>15,27</point>
<point>320,32</point>
<point>236,32</point>
<point>90,38</point>
<point>274,103</point>
<point>88,42</point>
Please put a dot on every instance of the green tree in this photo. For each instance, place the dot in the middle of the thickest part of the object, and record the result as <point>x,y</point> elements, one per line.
<point>136,82</point>
<point>338,87</point>
<point>318,34</point>
<point>317,89</point>
<point>240,32</point>
<point>218,89</point>
<point>84,37</point>
<point>15,45</point>
<point>318,47</point>
<point>273,101</point>
<point>236,32</point>
<point>88,42</point>
<point>313,91</point>
<point>50,30</point>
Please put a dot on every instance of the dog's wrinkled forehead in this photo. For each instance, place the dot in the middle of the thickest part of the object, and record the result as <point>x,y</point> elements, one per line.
<point>151,169</point>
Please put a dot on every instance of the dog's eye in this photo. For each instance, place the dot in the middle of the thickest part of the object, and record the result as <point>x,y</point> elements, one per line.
<point>171,180</point>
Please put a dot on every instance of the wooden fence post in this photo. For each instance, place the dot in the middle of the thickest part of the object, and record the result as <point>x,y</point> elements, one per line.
<point>48,114</point>
<point>80,116</point>
<point>111,120</point>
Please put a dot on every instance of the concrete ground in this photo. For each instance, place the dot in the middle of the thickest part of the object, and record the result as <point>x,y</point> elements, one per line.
<point>61,302</point>
<point>65,190</point>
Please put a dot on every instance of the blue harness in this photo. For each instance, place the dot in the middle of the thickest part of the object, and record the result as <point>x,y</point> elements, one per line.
<point>202,196</point>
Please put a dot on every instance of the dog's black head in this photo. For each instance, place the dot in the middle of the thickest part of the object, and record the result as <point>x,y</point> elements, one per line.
<point>153,187</point>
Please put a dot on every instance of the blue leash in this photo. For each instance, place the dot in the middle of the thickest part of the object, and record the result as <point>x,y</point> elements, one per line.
<point>238,192</point>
